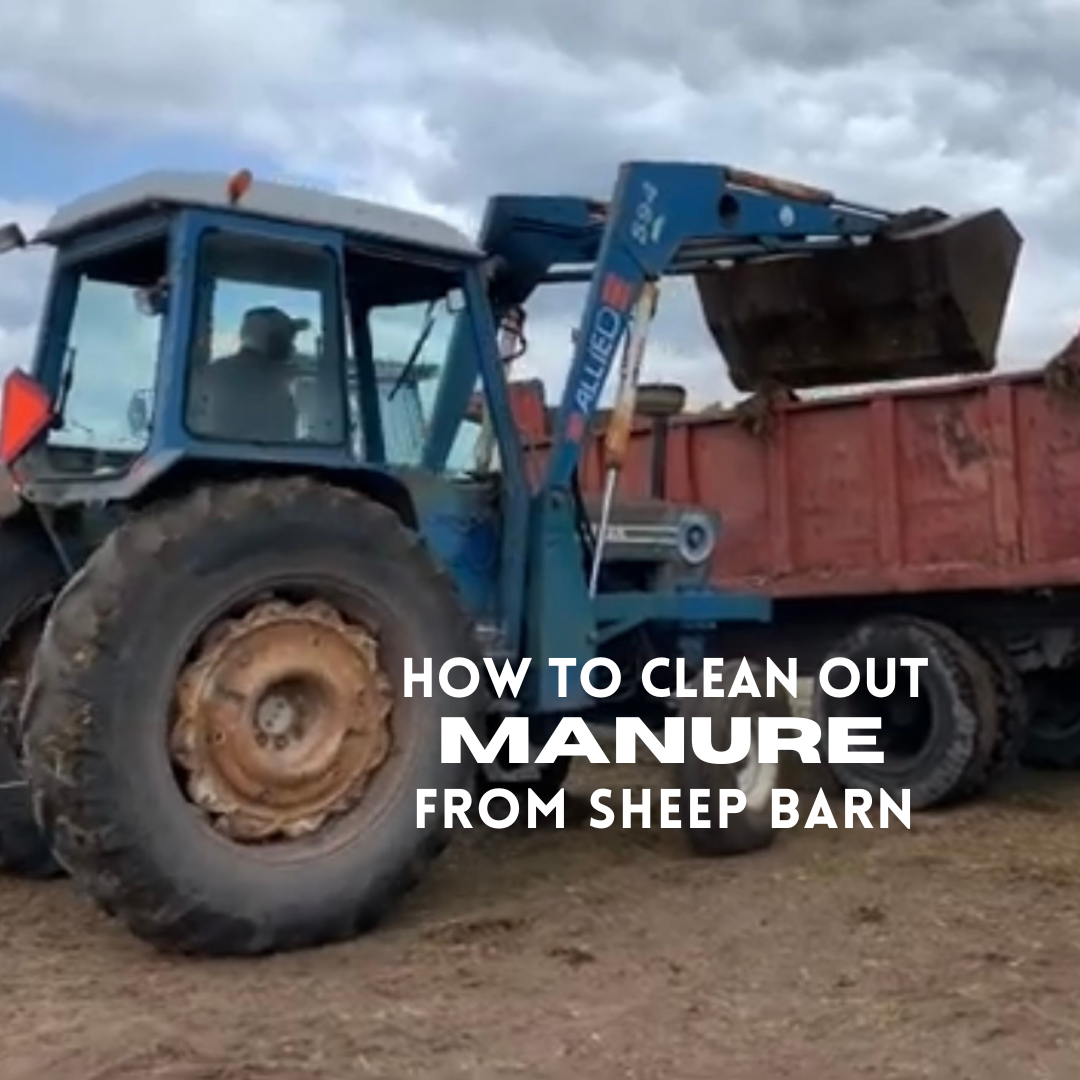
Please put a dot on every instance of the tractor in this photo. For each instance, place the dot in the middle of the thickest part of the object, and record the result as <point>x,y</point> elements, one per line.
<point>263,464</point>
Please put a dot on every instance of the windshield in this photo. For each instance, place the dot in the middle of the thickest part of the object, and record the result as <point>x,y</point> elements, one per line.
<point>266,363</point>
<point>411,346</point>
<point>110,358</point>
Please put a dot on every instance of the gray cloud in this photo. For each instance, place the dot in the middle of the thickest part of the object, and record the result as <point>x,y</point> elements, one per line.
<point>962,103</point>
<point>22,284</point>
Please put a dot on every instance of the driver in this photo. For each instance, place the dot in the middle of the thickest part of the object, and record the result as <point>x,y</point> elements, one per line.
<point>247,395</point>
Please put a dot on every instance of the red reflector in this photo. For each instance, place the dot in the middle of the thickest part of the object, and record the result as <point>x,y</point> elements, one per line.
<point>239,183</point>
<point>24,414</point>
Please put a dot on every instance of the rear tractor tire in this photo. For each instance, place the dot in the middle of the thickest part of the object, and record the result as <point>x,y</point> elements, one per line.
<point>942,746</point>
<point>30,578</point>
<point>219,743</point>
<point>750,829</point>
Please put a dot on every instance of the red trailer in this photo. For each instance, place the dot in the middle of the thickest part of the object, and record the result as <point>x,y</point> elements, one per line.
<point>973,485</point>
<point>951,507</point>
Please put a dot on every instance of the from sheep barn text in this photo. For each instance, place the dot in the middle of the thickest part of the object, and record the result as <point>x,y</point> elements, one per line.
<point>637,803</point>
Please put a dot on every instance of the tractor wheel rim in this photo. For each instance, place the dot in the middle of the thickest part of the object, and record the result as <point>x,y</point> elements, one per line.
<point>282,720</point>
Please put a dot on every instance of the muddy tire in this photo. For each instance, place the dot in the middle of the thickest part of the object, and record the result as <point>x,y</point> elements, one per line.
<point>1053,737</point>
<point>30,578</point>
<point>939,746</point>
<point>1014,719</point>
<point>23,848</point>
<point>751,829</point>
<point>240,609</point>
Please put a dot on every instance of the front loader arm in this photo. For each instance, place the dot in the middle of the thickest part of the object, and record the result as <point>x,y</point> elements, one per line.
<point>671,219</point>
<point>664,219</point>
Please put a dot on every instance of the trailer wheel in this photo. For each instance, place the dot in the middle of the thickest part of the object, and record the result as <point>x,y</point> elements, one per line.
<point>30,577</point>
<point>1012,707</point>
<point>752,828</point>
<point>1053,738</point>
<point>220,746</point>
<point>938,746</point>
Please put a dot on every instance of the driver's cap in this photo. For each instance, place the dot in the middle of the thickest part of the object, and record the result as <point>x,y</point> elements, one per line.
<point>270,330</point>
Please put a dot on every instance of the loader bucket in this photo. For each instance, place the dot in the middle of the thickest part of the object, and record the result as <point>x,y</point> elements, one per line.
<point>928,301</point>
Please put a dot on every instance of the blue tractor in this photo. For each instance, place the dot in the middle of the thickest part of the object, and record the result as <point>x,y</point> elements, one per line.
<point>234,515</point>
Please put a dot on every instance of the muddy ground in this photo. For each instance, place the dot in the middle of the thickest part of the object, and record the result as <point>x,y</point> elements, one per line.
<point>949,951</point>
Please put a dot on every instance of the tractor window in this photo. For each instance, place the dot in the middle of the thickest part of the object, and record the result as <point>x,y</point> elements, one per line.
<point>110,358</point>
<point>266,364</point>
<point>409,378</point>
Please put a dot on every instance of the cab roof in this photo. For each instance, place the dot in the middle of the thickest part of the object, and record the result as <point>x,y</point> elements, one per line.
<point>263,198</point>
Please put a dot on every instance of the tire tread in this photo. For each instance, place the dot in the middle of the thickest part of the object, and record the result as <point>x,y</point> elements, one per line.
<point>71,776</point>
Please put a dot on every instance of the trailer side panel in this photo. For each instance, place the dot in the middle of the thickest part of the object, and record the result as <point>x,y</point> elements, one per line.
<point>972,485</point>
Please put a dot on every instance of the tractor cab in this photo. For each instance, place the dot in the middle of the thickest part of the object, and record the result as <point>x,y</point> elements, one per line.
<point>203,318</point>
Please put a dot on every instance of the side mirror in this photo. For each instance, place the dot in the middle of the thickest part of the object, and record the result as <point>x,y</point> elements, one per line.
<point>455,301</point>
<point>11,238</point>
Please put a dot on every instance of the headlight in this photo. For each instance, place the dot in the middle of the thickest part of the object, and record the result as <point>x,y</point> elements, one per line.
<point>697,538</point>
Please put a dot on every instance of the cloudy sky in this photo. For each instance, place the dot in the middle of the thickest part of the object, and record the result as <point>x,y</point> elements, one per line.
<point>434,104</point>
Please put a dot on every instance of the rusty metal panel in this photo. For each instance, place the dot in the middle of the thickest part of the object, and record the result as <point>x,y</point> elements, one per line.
<point>1048,442</point>
<point>945,480</point>
<point>529,408</point>
<point>730,474</point>
<point>830,451</point>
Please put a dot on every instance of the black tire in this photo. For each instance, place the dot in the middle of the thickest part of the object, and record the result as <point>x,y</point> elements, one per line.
<point>1014,719</point>
<point>942,753</point>
<point>96,717</point>
<point>30,578</point>
<point>751,829</point>
<point>23,848</point>
<point>1053,737</point>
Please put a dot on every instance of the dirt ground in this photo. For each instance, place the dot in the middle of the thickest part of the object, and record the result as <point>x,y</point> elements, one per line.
<point>949,951</point>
